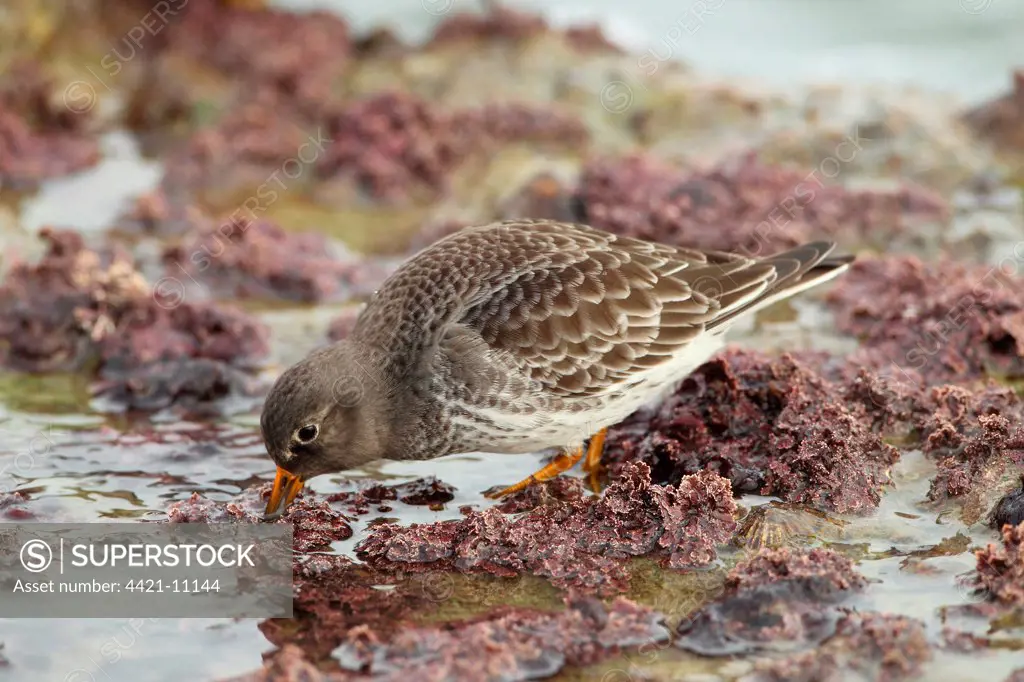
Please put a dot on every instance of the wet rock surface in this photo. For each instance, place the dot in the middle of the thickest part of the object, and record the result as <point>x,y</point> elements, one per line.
<point>579,544</point>
<point>874,646</point>
<point>778,600</point>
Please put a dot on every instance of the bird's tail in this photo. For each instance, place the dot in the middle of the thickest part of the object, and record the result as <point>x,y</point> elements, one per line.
<point>798,269</point>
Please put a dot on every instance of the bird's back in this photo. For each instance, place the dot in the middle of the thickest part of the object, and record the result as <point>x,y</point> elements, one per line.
<point>522,324</point>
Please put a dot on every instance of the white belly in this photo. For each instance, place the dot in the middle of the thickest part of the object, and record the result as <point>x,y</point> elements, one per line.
<point>569,428</point>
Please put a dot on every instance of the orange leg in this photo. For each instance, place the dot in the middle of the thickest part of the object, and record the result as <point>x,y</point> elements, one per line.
<point>563,462</point>
<point>592,464</point>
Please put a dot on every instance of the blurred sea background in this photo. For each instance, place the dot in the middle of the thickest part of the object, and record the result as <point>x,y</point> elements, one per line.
<point>964,47</point>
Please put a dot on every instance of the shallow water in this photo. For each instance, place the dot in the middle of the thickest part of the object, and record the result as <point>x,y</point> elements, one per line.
<point>80,465</point>
<point>88,467</point>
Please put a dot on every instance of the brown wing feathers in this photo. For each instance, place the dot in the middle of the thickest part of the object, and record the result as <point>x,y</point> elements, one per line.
<point>607,308</point>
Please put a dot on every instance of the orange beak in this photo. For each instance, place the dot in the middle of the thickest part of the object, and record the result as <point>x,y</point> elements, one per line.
<point>286,487</point>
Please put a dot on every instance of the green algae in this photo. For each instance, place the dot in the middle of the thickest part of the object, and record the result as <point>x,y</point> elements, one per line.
<point>365,229</point>
<point>460,596</point>
<point>676,594</point>
<point>45,393</point>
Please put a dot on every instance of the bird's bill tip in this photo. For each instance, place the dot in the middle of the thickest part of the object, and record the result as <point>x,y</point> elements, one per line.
<point>286,486</point>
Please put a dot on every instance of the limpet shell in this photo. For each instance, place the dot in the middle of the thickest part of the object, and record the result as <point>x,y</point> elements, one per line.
<point>777,524</point>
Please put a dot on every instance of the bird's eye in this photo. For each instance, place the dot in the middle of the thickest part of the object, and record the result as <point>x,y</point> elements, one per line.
<point>308,433</point>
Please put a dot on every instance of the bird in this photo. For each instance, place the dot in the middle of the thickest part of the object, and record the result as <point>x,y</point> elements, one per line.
<point>517,337</point>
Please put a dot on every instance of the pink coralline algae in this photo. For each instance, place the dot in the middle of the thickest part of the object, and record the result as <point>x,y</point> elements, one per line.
<point>1000,570</point>
<point>41,135</point>
<point>78,306</point>
<point>510,645</point>
<point>952,414</point>
<point>392,146</point>
<point>771,426</point>
<point>513,122</point>
<point>924,324</point>
<point>519,645</point>
<point>775,600</point>
<point>337,600</point>
<point>505,24</point>
<point>262,147</point>
<point>289,664</point>
<point>257,258</point>
<point>56,310</point>
<point>195,385</point>
<point>500,24</point>
<point>962,642</point>
<point>771,566</point>
<point>578,544</point>
<point>994,444</point>
<point>392,142</point>
<point>428,491</point>
<point>742,205</point>
<point>153,213</point>
<point>968,432</point>
<point>556,491</point>
<point>299,53</point>
<point>877,647</point>
<point>317,524</point>
<point>12,507</point>
<point>937,322</point>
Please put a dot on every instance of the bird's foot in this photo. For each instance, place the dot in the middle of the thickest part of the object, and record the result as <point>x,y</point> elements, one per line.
<point>592,464</point>
<point>562,463</point>
<point>559,464</point>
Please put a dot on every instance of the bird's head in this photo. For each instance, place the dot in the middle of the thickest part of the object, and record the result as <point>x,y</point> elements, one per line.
<point>327,413</point>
